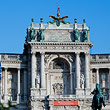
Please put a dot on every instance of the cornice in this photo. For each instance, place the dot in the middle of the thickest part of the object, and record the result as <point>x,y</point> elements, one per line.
<point>61,43</point>
<point>60,46</point>
<point>11,62</point>
<point>99,62</point>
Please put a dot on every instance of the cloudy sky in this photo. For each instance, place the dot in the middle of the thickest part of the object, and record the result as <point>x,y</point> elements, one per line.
<point>15,17</point>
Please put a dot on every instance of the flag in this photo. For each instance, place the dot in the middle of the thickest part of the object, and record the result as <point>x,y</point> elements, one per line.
<point>58,8</point>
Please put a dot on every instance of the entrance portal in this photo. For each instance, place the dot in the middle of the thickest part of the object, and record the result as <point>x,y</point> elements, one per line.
<point>59,77</point>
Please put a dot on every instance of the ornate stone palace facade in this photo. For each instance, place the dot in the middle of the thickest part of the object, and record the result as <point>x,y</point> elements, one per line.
<point>56,70</point>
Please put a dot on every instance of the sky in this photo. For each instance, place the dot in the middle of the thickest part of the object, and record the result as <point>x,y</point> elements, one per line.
<point>15,18</point>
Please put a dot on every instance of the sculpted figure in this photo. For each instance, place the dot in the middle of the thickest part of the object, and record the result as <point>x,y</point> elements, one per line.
<point>82,80</point>
<point>37,81</point>
<point>85,35</point>
<point>33,34</point>
<point>98,98</point>
<point>76,35</point>
<point>41,35</point>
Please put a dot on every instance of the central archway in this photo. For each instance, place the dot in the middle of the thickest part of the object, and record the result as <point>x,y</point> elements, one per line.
<point>59,77</point>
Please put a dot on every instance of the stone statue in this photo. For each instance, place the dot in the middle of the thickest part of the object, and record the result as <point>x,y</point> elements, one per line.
<point>98,98</point>
<point>37,81</point>
<point>76,35</point>
<point>33,34</point>
<point>82,80</point>
<point>41,35</point>
<point>85,35</point>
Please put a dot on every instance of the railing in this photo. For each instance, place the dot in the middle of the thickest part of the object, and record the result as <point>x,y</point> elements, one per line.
<point>100,58</point>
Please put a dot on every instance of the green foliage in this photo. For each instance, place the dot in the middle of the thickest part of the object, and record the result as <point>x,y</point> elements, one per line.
<point>2,107</point>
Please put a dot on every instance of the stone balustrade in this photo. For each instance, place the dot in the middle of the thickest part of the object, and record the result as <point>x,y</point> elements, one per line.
<point>50,26</point>
<point>13,57</point>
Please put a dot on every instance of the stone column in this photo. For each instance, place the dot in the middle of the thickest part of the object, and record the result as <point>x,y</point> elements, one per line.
<point>77,71</point>
<point>5,86</point>
<point>97,75</point>
<point>42,71</point>
<point>91,79</point>
<point>25,86</point>
<point>87,70</point>
<point>48,84</point>
<point>109,84</point>
<point>18,94</point>
<point>71,82</point>
<point>33,69</point>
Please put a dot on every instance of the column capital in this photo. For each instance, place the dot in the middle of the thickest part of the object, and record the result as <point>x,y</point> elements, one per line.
<point>42,53</point>
<point>33,53</point>
<point>77,53</point>
<point>5,68</point>
<point>97,68</point>
<point>18,68</point>
<point>86,53</point>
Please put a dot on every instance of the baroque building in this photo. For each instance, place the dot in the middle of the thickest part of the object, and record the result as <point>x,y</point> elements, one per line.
<point>56,70</point>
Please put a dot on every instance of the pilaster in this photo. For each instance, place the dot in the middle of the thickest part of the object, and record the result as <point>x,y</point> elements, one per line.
<point>77,71</point>
<point>42,70</point>
<point>33,68</point>
<point>43,85</point>
<point>78,74</point>
<point>5,86</point>
<point>18,94</point>
<point>97,75</point>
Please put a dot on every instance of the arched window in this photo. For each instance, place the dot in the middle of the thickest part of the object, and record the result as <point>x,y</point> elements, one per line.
<point>58,65</point>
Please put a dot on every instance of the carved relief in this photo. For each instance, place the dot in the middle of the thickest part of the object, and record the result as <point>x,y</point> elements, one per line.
<point>58,77</point>
<point>94,77</point>
<point>47,58</point>
<point>71,58</point>
<point>58,88</point>
<point>37,81</point>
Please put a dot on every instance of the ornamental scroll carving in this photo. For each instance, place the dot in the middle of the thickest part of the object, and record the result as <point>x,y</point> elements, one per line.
<point>71,58</point>
<point>50,57</point>
<point>58,88</point>
<point>47,58</point>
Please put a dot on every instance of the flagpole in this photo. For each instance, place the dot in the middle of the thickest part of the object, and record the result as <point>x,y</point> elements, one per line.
<point>0,81</point>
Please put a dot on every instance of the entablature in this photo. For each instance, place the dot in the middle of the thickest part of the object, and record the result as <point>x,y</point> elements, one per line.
<point>60,47</point>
